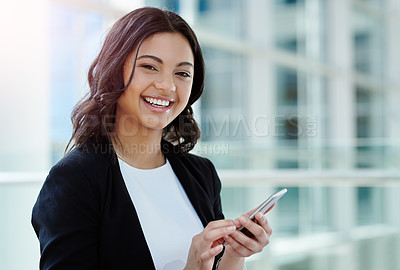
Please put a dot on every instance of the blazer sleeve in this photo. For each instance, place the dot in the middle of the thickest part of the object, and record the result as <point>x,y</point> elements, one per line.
<point>65,218</point>
<point>217,204</point>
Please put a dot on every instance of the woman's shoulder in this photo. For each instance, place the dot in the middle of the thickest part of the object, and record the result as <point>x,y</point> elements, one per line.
<point>72,192</point>
<point>86,162</point>
<point>88,156</point>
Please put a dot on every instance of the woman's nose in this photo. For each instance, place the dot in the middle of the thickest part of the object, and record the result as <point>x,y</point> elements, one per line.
<point>165,83</point>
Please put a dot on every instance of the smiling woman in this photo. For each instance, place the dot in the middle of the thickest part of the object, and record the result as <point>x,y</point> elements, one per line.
<point>113,70</point>
<point>128,195</point>
<point>161,85</point>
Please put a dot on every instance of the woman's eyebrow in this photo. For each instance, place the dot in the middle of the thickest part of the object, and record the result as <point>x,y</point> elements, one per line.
<point>159,60</point>
<point>185,64</point>
<point>155,58</point>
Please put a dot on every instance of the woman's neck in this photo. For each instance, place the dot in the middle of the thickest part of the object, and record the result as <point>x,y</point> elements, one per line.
<point>140,150</point>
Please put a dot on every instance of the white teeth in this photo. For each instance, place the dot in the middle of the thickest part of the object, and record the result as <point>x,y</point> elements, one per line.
<point>157,102</point>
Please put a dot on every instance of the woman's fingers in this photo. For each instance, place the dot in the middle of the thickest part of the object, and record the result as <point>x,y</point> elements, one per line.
<point>211,253</point>
<point>220,241</point>
<point>236,247</point>
<point>216,230</point>
<point>263,222</point>
<point>219,224</point>
<point>261,232</point>
<point>216,234</point>
<point>208,244</point>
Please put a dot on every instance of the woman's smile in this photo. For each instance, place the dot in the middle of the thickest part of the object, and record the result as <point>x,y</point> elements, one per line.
<point>158,102</point>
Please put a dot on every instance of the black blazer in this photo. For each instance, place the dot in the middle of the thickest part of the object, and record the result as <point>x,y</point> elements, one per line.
<point>84,217</point>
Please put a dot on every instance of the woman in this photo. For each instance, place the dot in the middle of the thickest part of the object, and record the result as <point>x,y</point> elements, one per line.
<point>128,195</point>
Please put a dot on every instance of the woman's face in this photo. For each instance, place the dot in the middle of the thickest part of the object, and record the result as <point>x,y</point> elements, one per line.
<point>161,84</point>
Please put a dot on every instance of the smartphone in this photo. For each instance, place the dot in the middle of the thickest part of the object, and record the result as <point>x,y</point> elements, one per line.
<point>263,208</point>
<point>268,203</point>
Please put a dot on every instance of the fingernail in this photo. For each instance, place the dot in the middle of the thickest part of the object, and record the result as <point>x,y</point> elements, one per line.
<point>217,248</point>
<point>231,228</point>
<point>243,220</point>
<point>260,215</point>
<point>236,222</point>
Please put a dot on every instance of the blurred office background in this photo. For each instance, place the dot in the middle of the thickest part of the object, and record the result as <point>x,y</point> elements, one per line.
<point>299,94</point>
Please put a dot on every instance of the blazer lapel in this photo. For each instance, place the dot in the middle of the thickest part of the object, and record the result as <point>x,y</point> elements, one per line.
<point>134,251</point>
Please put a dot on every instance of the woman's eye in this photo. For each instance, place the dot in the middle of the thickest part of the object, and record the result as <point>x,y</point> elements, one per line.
<point>150,67</point>
<point>183,74</point>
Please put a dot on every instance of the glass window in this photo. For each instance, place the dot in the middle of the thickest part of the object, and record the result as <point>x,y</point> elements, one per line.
<point>172,5</point>
<point>290,33</point>
<point>286,87</point>
<point>300,27</point>
<point>223,17</point>
<point>288,211</point>
<point>74,42</point>
<point>368,36</point>
<point>223,105</point>
<point>370,205</point>
<point>376,3</point>
<point>370,128</point>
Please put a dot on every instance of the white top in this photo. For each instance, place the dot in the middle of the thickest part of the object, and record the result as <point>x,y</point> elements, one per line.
<point>166,215</point>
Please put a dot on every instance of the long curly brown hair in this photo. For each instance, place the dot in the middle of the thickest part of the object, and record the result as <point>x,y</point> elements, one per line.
<point>93,118</point>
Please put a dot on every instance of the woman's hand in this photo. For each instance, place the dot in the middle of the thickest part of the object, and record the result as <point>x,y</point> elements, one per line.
<point>241,245</point>
<point>208,244</point>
